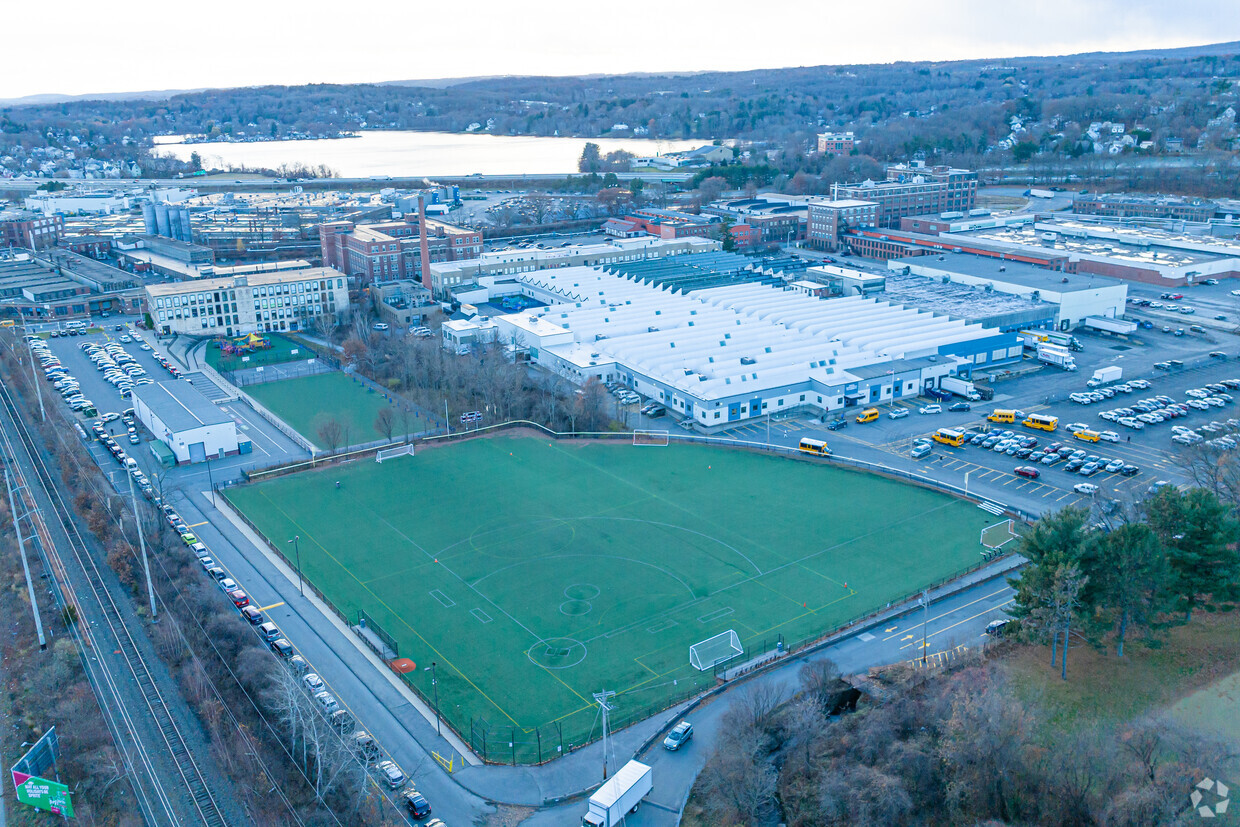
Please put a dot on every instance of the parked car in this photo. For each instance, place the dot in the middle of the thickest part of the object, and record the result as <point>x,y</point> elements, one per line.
<point>960,406</point>
<point>897,413</point>
<point>1087,488</point>
<point>391,774</point>
<point>930,409</point>
<point>679,736</point>
<point>920,451</point>
<point>313,682</point>
<point>1027,471</point>
<point>416,803</point>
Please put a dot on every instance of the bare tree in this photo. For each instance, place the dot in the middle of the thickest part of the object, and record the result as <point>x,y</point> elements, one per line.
<point>331,432</point>
<point>385,422</point>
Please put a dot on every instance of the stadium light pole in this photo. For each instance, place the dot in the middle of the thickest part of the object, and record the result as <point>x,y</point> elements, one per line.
<point>297,552</point>
<point>435,686</point>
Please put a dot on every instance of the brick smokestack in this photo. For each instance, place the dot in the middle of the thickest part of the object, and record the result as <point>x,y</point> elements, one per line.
<point>424,243</point>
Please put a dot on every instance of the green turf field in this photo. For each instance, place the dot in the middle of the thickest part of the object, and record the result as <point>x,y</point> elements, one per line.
<point>306,401</point>
<point>536,572</point>
<point>281,351</point>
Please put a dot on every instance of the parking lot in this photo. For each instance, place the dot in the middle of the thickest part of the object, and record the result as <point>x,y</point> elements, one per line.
<point>270,447</point>
<point>985,473</point>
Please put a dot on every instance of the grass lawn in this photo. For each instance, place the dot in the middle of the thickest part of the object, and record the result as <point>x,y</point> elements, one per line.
<point>281,351</point>
<point>304,402</point>
<point>535,572</point>
<point>1102,686</point>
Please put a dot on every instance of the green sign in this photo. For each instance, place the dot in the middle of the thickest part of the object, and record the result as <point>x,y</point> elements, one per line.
<point>42,794</point>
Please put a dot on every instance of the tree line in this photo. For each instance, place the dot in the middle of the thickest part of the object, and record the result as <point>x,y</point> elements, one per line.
<point>1132,570</point>
<point>960,747</point>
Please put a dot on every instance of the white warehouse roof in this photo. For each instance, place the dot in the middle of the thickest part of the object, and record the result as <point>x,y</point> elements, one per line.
<point>723,341</point>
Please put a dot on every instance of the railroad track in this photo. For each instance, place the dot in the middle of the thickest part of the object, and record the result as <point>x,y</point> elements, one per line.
<point>202,802</point>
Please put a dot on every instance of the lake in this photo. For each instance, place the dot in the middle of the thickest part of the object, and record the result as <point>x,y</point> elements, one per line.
<point>402,153</point>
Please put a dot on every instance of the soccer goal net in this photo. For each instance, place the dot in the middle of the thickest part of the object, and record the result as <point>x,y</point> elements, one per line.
<point>713,651</point>
<point>995,537</point>
<point>650,437</point>
<point>389,453</point>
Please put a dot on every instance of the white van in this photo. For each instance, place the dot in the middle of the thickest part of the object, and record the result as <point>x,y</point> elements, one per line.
<point>381,326</point>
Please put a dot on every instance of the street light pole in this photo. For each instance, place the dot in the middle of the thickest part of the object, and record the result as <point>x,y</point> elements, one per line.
<point>925,620</point>
<point>435,686</point>
<point>211,482</point>
<point>297,553</point>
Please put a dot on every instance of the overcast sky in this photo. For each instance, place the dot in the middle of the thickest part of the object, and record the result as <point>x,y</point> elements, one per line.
<point>136,45</point>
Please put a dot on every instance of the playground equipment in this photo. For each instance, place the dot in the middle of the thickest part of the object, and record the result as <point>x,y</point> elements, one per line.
<point>243,345</point>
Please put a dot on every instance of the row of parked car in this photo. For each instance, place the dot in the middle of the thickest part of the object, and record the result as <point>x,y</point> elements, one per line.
<point>360,740</point>
<point>65,383</point>
<point>1104,393</point>
<point>119,368</point>
<point>1159,409</point>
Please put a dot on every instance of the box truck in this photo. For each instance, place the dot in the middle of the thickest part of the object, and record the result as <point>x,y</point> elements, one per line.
<point>618,796</point>
<point>1103,376</point>
<point>1039,193</point>
<point>1064,340</point>
<point>960,387</point>
<point>1057,356</point>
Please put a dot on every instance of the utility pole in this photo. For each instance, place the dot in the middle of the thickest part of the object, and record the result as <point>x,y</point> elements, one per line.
<point>137,521</point>
<point>601,698</point>
<point>297,551</point>
<point>21,547</point>
<point>925,620</point>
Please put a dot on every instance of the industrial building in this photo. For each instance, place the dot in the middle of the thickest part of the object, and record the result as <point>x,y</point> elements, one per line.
<point>1125,205</point>
<point>186,422</point>
<point>829,220</point>
<point>23,228</point>
<point>256,303</point>
<point>1075,296</point>
<point>836,143</point>
<point>738,346</point>
<point>449,277</point>
<point>913,190</point>
<point>39,287</point>
<point>393,250</point>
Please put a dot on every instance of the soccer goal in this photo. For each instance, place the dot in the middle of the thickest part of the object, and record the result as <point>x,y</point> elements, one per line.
<point>995,537</point>
<point>713,651</point>
<point>398,451</point>
<point>641,437</point>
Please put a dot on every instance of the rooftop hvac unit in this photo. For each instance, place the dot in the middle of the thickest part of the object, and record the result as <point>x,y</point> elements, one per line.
<point>748,360</point>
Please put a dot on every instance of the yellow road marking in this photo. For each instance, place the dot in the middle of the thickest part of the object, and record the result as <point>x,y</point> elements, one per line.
<point>195,525</point>
<point>272,606</point>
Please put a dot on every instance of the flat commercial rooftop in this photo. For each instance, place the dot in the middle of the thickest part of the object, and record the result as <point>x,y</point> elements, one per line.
<point>1011,272</point>
<point>180,405</point>
<point>1132,245</point>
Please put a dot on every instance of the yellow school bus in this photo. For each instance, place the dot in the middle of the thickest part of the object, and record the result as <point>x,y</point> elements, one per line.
<point>868,415</point>
<point>7,323</point>
<point>949,436</point>
<point>1002,416</point>
<point>814,446</point>
<point>1041,422</point>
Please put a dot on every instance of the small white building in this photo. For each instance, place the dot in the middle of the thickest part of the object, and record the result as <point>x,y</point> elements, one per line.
<point>183,419</point>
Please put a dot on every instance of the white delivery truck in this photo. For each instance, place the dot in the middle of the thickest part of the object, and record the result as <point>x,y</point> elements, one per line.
<point>1103,376</point>
<point>1039,193</point>
<point>1055,355</point>
<point>1110,325</point>
<point>960,387</point>
<point>618,796</point>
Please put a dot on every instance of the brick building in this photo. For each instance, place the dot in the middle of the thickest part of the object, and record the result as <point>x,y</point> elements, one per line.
<point>836,143</point>
<point>1144,206</point>
<point>828,220</point>
<point>391,250</point>
<point>914,190</point>
<point>22,228</point>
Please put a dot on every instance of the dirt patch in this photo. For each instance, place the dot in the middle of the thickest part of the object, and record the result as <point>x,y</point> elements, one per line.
<point>507,814</point>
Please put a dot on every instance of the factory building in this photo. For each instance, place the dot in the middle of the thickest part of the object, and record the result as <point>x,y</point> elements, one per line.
<point>734,348</point>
